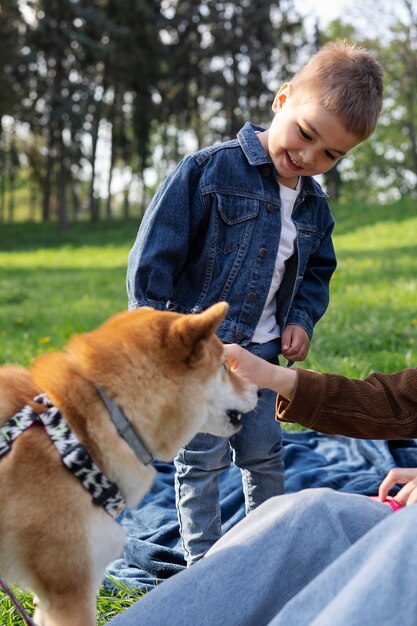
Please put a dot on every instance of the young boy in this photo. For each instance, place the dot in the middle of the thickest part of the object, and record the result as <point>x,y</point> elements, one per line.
<point>244,222</point>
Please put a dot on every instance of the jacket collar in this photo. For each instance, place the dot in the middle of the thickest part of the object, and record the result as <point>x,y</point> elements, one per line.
<point>251,145</point>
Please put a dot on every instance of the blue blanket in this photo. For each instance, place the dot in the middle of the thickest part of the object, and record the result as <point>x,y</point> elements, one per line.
<point>153,550</point>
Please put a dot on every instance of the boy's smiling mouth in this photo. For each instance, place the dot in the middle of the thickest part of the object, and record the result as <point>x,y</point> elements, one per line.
<point>292,164</point>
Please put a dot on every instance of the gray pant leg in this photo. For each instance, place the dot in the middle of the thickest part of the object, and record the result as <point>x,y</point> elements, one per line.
<point>261,563</point>
<point>373,583</point>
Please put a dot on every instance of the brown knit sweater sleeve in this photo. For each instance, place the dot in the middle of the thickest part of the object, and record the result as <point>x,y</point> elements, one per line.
<point>382,406</point>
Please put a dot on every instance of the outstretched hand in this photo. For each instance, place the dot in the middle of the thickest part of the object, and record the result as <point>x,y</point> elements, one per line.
<point>406,476</point>
<point>248,365</point>
<point>280,379</point>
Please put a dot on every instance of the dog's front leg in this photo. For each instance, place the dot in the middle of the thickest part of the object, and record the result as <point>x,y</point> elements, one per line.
<point>73,609</point>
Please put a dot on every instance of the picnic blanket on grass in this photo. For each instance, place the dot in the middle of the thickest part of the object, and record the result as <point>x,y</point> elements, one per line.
<point>153,550</point>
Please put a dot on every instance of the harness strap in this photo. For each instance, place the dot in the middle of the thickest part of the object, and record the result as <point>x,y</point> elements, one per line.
<point>73,454</point>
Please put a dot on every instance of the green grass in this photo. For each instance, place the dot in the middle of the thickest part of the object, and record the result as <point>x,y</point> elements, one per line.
<point>371,323</point>
<point>54,284</point>
<point>108,604</point>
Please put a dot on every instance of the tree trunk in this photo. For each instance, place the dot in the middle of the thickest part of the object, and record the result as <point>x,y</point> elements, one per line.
<point>2,197</point>
<point>94,210</point>
<point>11,199</point>
<point>126,204</point>
<point>46,187</point>
<point>112,117</point>
<point>62,196</point>
<point>333,183</point>
<point>33,197</point>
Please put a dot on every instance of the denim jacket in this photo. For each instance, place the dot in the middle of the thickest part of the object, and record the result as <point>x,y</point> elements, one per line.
<point>211,233</point>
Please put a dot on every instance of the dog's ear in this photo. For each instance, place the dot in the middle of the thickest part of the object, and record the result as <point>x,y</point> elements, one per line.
<point>192,330</point>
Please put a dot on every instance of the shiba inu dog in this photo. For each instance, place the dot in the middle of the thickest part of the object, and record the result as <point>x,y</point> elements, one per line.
<point>77,433</point>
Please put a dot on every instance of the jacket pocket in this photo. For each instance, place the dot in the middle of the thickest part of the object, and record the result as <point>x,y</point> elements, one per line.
<point>236,218</point>
<point>308,241</point>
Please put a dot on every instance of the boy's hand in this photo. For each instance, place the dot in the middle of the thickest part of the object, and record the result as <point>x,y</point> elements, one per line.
<point>295,343</point>
<point>406,476</point>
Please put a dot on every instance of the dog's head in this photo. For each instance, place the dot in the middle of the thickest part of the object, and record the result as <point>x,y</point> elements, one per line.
<point>167,372</point>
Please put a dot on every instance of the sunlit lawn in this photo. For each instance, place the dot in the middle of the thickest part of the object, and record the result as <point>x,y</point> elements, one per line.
<point>52,285</point>
<point>371,323</point>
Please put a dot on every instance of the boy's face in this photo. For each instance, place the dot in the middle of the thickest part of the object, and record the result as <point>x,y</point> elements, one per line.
<point>304,138</point>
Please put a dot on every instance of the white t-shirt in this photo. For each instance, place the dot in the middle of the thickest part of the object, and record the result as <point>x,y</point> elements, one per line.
<point>267,328</point>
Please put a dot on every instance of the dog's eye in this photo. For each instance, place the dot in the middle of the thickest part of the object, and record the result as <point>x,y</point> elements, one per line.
<point>225,365</point>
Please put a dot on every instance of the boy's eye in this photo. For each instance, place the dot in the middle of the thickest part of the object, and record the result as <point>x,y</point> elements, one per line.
<point>331,156</point>
<point>304,134</point>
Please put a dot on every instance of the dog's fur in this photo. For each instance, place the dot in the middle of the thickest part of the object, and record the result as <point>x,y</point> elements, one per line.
<point>167,373</point>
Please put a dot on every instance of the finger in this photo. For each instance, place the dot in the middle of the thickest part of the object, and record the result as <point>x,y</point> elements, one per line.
<point>286,341</point>
<point>290,355</point>
<point>412,498</point>
<point>389,481</point>
<point>296,355</point>
<point>397,475</point>
<point>404,493</point>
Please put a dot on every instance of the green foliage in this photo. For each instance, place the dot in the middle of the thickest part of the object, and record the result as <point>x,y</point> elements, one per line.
<point>95,93</point>
<point>385,167</point>
<point>148,78</point>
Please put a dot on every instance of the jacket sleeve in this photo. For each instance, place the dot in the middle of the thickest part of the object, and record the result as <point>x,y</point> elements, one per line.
<point>312,297</point>
<point>168,228</point>
<point>382,406</point>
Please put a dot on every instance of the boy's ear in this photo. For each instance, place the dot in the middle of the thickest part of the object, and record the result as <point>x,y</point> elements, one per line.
<point>281,97</point>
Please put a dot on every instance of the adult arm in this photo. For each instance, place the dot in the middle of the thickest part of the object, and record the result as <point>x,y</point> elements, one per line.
<point>382,406</point>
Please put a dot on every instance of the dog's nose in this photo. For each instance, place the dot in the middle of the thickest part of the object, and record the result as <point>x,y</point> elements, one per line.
<point>259,393</point>
<point>234,416</point>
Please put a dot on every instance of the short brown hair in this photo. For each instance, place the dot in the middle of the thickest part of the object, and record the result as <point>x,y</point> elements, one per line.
<point>348,81</point>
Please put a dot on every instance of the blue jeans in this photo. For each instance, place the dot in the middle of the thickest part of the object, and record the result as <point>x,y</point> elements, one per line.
<point>312,558</point>
<point>256,450</point>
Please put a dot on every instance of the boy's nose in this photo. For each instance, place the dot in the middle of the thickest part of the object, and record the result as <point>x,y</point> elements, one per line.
<point>308,157</point>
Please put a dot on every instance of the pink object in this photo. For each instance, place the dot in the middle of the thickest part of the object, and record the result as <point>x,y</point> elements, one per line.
<point>391,502</point>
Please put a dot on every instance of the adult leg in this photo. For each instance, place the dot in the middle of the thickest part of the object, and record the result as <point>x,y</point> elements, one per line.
<point>374,582</point>
<point>261,563</point>
<point>258,450</point>
<point>198,466</point>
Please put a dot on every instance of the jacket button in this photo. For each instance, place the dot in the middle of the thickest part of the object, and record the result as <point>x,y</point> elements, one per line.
<point>239,335</point>
<point>251,296</point>
<point>266,171</point>
<point>270,207</point>
<point>262,252</point>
